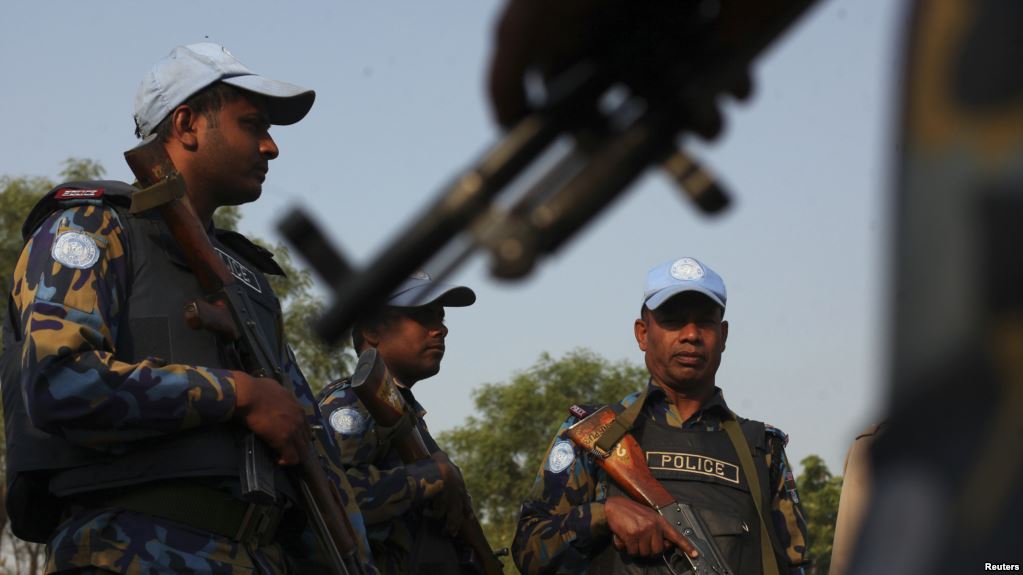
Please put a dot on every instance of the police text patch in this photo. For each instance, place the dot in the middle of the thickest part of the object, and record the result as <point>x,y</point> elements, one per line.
<point>239,271</point>
<point>693,463</point>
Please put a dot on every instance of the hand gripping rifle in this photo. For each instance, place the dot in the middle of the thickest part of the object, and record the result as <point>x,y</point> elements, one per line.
<point>625,464</point>
<point>650,71</point>
<point>227,312</point>
<point>376,390</point>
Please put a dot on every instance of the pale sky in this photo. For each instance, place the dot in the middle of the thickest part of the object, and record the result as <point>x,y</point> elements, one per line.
<point>400,110</point>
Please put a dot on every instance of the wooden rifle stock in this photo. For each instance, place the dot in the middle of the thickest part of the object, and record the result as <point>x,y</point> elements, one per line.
<point>375,388</point>
<point>226,312</point>
<point>626,465</point>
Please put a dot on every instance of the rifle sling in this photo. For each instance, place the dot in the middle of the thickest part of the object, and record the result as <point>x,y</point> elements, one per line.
<point>621,425</point>
<point>742,448</point>
<point>160,193</point>
<point>402,427</point>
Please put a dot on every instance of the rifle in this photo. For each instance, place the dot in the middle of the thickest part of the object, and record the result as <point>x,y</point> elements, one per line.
<point>227,312</point>
<point>651,71</point>
<point>375,387</point>
<point>625,464</point>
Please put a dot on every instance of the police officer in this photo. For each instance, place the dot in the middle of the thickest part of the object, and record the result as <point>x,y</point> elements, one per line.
<point>123,425</point>
<point>576,520</point>
<point>411,510</point>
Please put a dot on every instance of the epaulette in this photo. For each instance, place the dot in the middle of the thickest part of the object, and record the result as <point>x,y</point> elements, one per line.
<point>72,193</point>
<point>584,410</point>
<point>257,255</point>
<point>772,430</point>
<point>332,387</point>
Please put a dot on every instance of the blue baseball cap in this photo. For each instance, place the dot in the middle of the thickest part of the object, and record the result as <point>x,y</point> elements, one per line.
<point>420,289</point>
<point>188,69</point>
<point>676,276</point>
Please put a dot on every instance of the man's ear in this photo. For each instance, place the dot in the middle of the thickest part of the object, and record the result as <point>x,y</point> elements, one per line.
<point>185,126</point>
<point>371,336</point>
<point>724,334</point>
<point>639,328</point>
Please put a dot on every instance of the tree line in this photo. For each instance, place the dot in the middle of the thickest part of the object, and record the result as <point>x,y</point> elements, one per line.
<point>499,450</point>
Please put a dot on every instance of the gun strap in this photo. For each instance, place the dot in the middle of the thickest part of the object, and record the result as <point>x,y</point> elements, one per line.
<point>160,193</point>
<point>402,427</point>
<point>621,424</point>
<point>749,469</point>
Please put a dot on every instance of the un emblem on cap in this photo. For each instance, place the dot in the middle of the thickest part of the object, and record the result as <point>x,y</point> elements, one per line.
<point>420,275</point>
<point>687,269</point>
<point>75,249</point>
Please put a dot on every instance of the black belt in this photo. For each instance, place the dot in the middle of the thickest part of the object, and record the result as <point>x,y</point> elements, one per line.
<point>196,505</point>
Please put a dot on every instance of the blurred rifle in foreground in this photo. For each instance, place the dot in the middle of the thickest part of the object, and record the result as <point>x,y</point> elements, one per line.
<point>649,72</point>
<point>227,312</point>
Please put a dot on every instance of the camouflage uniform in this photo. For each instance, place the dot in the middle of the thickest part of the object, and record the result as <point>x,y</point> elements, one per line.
<point>76,389</point>
<point>563,525</point>
<point>390,493</point>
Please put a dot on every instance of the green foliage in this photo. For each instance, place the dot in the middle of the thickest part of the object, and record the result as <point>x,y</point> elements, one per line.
<point>227,218</point>
<point>501,448</point>
<point>78,169</point>
<point>819,492</point>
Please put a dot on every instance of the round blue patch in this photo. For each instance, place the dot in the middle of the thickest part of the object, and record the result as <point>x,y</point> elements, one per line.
<point>347,421</point>
<point>75,250</point>
<point>562,455</point>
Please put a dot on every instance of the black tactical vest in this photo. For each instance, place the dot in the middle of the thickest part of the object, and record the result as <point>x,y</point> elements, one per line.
<point>702,469</point>
<point>42,468</point>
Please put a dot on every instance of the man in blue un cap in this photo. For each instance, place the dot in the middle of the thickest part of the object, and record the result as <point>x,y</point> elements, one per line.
<point>412,510</point>
<point>577,520</point>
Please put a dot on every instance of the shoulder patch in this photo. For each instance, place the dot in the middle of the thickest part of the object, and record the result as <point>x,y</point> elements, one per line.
<point>78,194</point>
<point>561,456</point>
<point>75,249</point>
<point>347,421</point>
<point>774,431</point>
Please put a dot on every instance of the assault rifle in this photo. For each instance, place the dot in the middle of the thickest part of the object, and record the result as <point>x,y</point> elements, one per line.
<point>649,72</point>
<point>625,464</point>
<point>375,388</point>
<point>227,312</point>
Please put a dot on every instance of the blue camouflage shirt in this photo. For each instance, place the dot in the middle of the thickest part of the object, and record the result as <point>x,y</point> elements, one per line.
<point>75,389</point>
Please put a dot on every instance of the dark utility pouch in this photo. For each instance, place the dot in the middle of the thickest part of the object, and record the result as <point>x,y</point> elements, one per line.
<point>34,511</point>
<point>733,538</point>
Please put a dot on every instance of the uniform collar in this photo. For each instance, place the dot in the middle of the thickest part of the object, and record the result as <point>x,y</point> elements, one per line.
<point>715,406</point>
<point>410,399</point>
